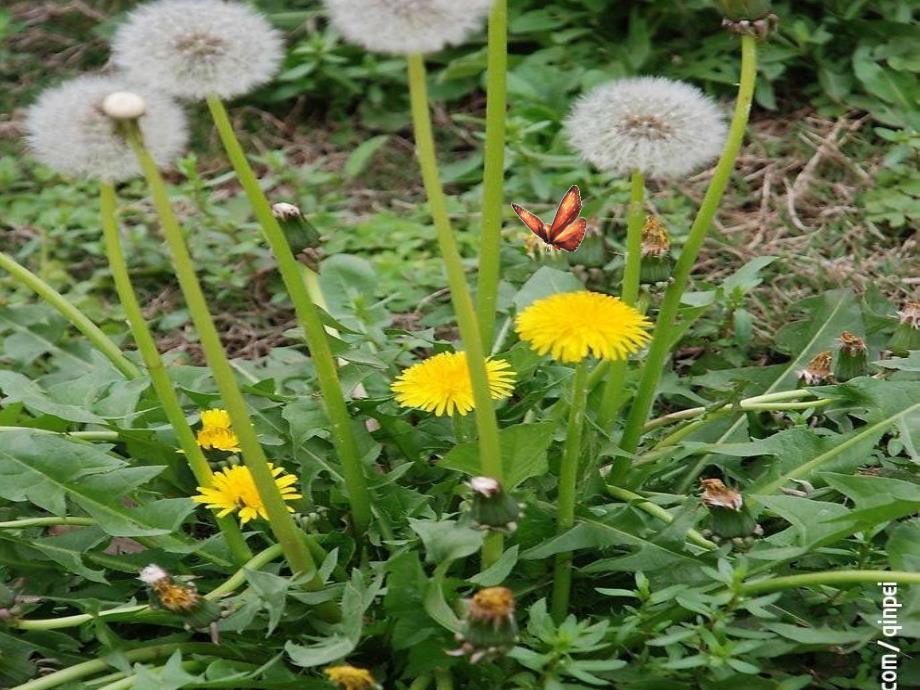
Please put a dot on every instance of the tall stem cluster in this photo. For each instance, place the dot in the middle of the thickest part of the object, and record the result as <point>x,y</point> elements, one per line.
<point>486,424</point>
<point>662,337</point>
<point>282,523</point>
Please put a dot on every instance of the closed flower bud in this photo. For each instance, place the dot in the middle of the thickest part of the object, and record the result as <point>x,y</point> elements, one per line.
<point>906,335</point>
<point>745,9</point>
<point>301,234</point>
<point>818,372</point>
<point>852,357</point>
<point>748,17</point>
<point>489,629</point>
<point>656,252</point>
<point>493,508</point>
<point>728,516</point>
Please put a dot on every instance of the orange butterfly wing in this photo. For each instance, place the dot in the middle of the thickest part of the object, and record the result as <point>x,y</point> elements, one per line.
<point>571,235</point>
<point>569,209</point>
<point>537,226</point>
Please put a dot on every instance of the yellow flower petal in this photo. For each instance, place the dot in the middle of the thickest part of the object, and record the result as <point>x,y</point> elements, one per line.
<point>572,325</point>
<point>234,490</point>
<point>441,384</point>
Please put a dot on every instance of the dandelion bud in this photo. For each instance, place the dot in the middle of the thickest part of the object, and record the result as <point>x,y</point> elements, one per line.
<point>656,252</point>
<point>748,17</point>
<point>907,333</point>
<point>489,629</point>
<point>818,371</point>
<point>351,677</point>
<point>744,9</point>
<point>493,508</point>
<point>70,128</point>
<point>124,105</point>
<point>852,357</point>
<point>193,48</point>
<point>178,597</point>
<point>301,234</point>
<point>729,518</point>
<point>660,127</point>
<point>405,27</point>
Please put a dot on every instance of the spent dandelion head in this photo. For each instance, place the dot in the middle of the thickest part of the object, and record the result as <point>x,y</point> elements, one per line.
<point>405,27</point>
<point>570,326</point>
<point>441,384</point>
<point>217,432</point>
<point>818,371</point>
<point>660,127</point>
<point>350,677</point>
<point>69,129</point>
<point>234,490</point>
<point>193,48</point>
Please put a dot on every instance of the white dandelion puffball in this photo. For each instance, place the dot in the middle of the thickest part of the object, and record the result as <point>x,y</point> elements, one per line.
<point>67,129</point>
<point>662,128</point>
<point>405,27</point>
<point>193,48</point>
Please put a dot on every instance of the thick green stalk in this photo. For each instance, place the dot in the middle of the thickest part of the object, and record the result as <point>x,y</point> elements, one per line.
<point>661,339</point>
<point>140,610</point>
<point>568,484</point>
<point>493,176</point>
<point>612,398</point>
<point>829,578</point>
<point>657,511</point>
<point>162,385</point>
<point>89,668</point>
<point>281,522</point>
<point>76,317</point>
<point>486,424</point>
<point>342,433</point>
<point>23,523</point>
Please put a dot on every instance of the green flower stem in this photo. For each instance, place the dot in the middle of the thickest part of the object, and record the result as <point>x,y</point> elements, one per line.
<point>613,397</point>
<point>663,335</point>
<point>757,402</point>
<point>128,682</point>
<point>421,683</point>
<point>568,480</point>
<point>137,612</point>
<point>829,578</point>
<point>280,520</point>
<point>493,177</point>
<point>76,317</point>
<point>82,435</point>
<point>142,654</point>
<point>159,377</point>
<point>341,426</point>
<point>486,424</point>
<point>657,511</point>
<point>24,523</point>
<point>443,680</point>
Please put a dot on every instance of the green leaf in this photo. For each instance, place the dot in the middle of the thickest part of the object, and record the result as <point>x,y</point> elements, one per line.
<point>545,282</point>
<point>361,157</point>
<point>46,468</point>
<point>446,540</point>
<point>823,635</point>
<point>523,447</point>
<point>498,572</point>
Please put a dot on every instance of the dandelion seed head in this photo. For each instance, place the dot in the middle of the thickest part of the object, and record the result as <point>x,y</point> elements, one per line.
<point>661,127</point>
<point>192,48</point>
<point>403,27</point>
<point>68,130</point>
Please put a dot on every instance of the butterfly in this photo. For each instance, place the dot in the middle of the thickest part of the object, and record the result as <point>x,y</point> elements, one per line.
<point>567,230</point>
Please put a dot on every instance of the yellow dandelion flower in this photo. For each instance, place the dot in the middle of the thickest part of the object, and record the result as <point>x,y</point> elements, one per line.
<point>350,677</point>
<point>217,432</point>
<point>572,325</point>
<point>441,384</point>
<point>234,489</point>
